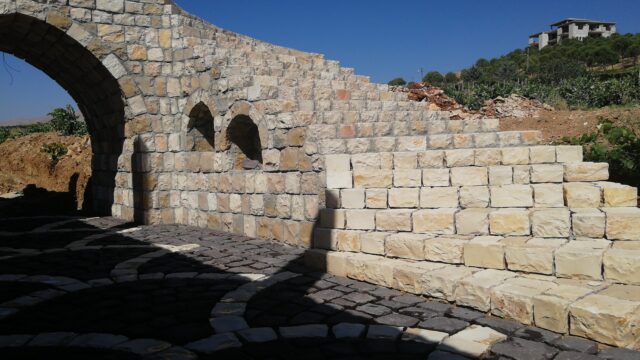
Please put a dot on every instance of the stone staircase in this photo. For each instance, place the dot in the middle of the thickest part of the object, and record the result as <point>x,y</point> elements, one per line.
<point>531,233</point>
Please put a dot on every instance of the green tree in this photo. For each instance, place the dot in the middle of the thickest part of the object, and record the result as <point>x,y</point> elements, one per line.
<point>450,78</point>
<point>66,121</point>
<point>397,82</point>
<point>433,77</point>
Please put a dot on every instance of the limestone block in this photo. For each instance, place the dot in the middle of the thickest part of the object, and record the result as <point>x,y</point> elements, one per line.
<point>407,178</point>
<point>437,221</point>
<point>431,159</point>
<point>515,156</point>
<point>514,298</point>
<point>352,198</point>
<point>547,173</point>
<point>438,197</point>
<point>411,143</point>
<point>608,317</point>
<point>581,259</point>
<point>548,195</point>
<point>484,252</point>
<point>407,276</point>
<point>472,342</point>
<point>532,255</point>
<point>340,179</point>
<point>435,177</point>
<point>115,6</point>
<point>586,171</point>
<point>569,153</point>
<point>472,221</point>
<point>588,223</point>
<point>521,174</point>
<point>332,198</point>
<point>393,220</point>
<point>475,291</point>
<point>511,196</point>
<point>332,218</point>
<point>542,154</point>
<point>509,222</point>
<point>622,265</point>
<point>446,249</point>
<point>337,163</point>
<point>404,160</point>
<point>474,196</point>
<point>581,195</point>
<point>618,195</point>
<point>459,157</point>
<point>348,240</point>
<point>326,239</point>
<point>373,242</point>
<point>376,198</point>
<point>552,222</point>
<point>404,197</point>
<point>487,157</point>
<point>366,160</point>
<point>466,176</point>
<point>332,262</point>
<point>361,219</point>
<point>441,283</point>
<point>371,268</point>
<point>365,178</point>
<point>500,175</point>
<point>551,308</point>
<point>405,245</point>
<point>623,223</point>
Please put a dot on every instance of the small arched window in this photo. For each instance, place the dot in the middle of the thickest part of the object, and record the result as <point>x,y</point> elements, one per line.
<point>245,139</point>
<point>200,134</point>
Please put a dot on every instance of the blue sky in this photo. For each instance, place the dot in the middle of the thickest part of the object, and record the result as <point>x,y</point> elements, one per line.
<point>379,38</point>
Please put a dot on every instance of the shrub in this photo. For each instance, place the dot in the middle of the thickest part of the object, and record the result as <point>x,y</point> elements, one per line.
<point>55,151</point>
<point>66,121</point>
<point>433,77</point>
<point>397,82</point>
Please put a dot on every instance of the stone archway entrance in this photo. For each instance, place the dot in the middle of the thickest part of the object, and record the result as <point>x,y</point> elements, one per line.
<point>79,71</point>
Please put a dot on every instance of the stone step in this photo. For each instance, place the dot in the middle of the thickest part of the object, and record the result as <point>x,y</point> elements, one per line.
<point>585,259</point>
<point>424,142</point>
<point>598,310</point>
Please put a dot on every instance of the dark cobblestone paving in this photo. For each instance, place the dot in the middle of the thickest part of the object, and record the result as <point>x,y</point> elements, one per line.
<point>100,288</point>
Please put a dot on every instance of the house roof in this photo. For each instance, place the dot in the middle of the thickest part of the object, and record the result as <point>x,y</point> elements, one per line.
<point>578,20</point>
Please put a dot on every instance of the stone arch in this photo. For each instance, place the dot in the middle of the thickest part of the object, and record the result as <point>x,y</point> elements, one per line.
<point>244,136</point>
<point>201,133</point>
<point>52,47</point>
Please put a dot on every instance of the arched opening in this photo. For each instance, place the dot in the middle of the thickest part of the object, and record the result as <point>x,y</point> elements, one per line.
<point>200,134</point>
<point>96,92</point>
<point>244,136</point>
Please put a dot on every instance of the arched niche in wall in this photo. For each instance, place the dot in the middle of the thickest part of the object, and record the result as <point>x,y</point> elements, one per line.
<point>200,129</point>
<point>246,147</point>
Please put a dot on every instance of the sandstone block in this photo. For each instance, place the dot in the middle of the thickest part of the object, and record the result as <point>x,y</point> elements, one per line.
<point>514,298</point>
<point>547,173</point>
<point>326,239</point>
<point>371,268</point>
<point>407,276</point>
<point>484,252</point>
<point>509,222</point>
<point>532,255</point>
<point>373,242</point>
<point>511,196</point>
<point>581,195</point>
<point>515,156</point>
<point>474,196</point>
<point>437,221</point>
<point>365,178</point>
<point>622,265</point>
<point>339,180</point>
<point>586,171</point>
<point>407,178</point>
<point>466,176</point>
<point>608,317</point>
<point>581,259</point>
<point>393,220</point>
<point>459,157</point>
<point>446,249</point>
<point>475,291</point>
<point>438,197</point>
<point>361,219</point>
<point>487,157</point>
<point>431,159</point>
<point>376,198</point>
<point>472,221</point>
<point>332,218</point>
<point>404,197</point>
<point>588,223</point>
<point>435,177</point>
<point>352,198</point>
<point>569,153</point>
<point>552,222</point>
<point>441,283</point>
<point>405,245</point>
<point>404,160</point>
<point>623,223</point>
<point>500,175</point>
<point>551,308</point>
<point>347,240</point>
<point>337,163</point>
<point>617,195</point>
<point>542,154</point>
<point>548,195</point>
<point>472,342</point>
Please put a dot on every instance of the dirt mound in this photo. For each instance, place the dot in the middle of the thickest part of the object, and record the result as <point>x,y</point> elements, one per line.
<point>433,95</point>
<point>24,163</point>
<point>513,106</point>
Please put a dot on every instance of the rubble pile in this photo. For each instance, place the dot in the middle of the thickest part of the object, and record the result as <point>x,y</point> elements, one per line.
<point>433,95</point>
<point>513,106</point>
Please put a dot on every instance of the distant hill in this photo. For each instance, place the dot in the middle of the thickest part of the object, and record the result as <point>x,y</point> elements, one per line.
<point>24,121</point>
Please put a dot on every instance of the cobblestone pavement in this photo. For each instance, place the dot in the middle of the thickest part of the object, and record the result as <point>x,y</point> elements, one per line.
<point>99,288</point>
